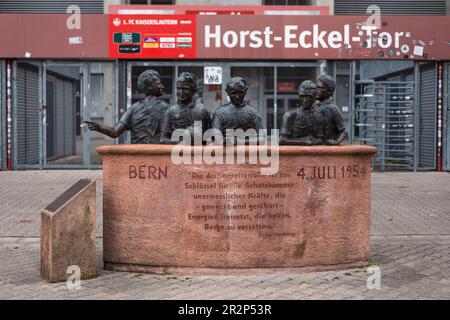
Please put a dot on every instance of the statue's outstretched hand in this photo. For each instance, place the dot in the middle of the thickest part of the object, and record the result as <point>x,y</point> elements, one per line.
<point>94,126</point>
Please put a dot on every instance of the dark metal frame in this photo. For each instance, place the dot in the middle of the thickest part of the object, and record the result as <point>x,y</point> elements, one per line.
<point>85,109</point>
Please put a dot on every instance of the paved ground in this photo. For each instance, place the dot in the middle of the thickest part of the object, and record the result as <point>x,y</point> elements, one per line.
<point>410,244</point>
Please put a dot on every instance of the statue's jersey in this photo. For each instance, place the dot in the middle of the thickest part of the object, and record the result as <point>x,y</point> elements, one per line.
<point>144,119</point>
<point>181,116</point>
<point>299,123</point>
<point>332,122</point>
<point>231,117</point>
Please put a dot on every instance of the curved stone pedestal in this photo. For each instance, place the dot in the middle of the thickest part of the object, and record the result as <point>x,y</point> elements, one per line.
<point>161,217</point>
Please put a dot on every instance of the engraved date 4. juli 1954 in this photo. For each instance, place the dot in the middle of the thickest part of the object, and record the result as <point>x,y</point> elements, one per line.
<point>331,172</point>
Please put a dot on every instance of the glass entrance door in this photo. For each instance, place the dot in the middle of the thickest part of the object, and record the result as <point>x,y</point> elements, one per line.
<point>103,108</point>
<point>66,106</point>
<point>77,92</point>
<point>50,102</point>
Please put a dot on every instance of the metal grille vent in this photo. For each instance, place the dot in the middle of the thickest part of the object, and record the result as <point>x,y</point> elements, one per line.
<point>391,7</point>
<point>49,6</point>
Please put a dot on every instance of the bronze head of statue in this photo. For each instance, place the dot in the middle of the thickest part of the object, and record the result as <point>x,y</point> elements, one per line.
<point>149,83</point>
<point>307,92</point>
<point>186,87</point>
<point>325,87</point>
<point>236,90</point>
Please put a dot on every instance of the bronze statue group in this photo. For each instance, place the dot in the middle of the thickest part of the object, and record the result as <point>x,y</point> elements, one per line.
<point>315,121</point>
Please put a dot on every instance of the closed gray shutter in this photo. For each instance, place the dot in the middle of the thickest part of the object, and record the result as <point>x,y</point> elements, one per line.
<point>427,112</point>
<point>27,115</point>
<point>49,6</point>
<point>446,124</point>
<point>32,92</point>
<point>391,7</point>
<point>2,115</point>
<point>21,116</point>
<point>69,118</point>
<point>409,77</point>
<point>59,125</point>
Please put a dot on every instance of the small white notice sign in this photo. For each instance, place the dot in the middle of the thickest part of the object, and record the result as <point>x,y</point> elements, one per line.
<point>418,51</point>
<point>213,75</point>
<point>75,40</point>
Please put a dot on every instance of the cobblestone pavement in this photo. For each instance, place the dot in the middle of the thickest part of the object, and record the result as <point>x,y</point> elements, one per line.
<point>410,244</point>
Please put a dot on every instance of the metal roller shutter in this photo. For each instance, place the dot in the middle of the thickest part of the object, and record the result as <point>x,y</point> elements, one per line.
<point>391,7</point>
<point>409,77</point>
<point>27,83</point>
<point>427,112</point>
<point>21,116</point>
<point>446,124</point>
<point>59,125</point>
<point>69,116</point>
<point>2,115</point>
<point>49,6</point>
<point>32,132</point>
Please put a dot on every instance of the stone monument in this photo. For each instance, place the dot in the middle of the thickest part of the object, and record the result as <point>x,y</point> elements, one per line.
<point>223,217</point>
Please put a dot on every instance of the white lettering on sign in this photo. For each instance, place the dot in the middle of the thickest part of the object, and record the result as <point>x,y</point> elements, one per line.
<point>230,39</point>
<point>74,20</point>
<point>216,36</point>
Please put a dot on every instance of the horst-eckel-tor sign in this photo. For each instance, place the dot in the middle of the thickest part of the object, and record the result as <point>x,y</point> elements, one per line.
<point>276,37</point>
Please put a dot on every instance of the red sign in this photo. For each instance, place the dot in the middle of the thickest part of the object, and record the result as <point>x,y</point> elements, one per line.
<point>253,37</point>
<point>152,37</point>
<point>277,37</point>
<point>286,86</point>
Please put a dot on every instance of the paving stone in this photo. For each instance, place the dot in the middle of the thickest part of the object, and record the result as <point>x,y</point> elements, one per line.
<point>410,242</point>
